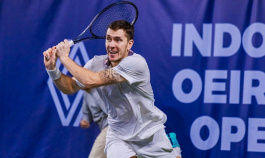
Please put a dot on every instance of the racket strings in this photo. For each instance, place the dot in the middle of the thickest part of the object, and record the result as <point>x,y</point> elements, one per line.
<point>123,10</point>
<point>119,12</point>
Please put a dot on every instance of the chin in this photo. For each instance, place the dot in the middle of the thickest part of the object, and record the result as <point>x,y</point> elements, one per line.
<point>114,60</point>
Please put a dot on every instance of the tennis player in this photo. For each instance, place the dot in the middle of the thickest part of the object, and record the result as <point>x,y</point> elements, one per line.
<point>122,79</point>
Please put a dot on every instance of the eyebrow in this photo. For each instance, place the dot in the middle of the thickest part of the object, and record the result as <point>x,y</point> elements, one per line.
<point>113,36</point>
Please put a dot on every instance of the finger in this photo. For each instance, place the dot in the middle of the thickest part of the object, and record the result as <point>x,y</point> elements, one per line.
<point>47,58</point>
<point>50,52</point>
<point>53,53</point>
<point>66,42</point>
<point>60,45</point>
<point>46,55</point>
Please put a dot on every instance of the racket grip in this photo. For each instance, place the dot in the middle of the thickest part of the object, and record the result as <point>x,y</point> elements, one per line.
<point>71,43</point>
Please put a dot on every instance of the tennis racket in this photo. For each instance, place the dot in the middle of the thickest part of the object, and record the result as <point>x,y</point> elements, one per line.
<point>123,10</point>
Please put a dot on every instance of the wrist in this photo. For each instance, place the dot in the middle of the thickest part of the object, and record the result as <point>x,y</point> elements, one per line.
<point>54,74</point>
<point>50,68</point>
<point>63,58</point>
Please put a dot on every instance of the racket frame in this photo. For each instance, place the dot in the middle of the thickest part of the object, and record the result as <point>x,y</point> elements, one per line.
<point>77,39</point>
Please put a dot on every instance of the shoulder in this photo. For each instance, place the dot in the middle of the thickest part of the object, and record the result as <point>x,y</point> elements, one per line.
<point>136,56</point>
<point>98,58</point>
<point>97,63</point>
<point>134,60</point>
<point>134,64</point>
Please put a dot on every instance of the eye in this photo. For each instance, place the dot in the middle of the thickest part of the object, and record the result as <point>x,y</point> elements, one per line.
<point>108,39</point>
<point>118,39</point>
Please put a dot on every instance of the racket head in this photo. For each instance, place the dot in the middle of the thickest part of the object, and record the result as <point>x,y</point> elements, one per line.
<point>123,10</point>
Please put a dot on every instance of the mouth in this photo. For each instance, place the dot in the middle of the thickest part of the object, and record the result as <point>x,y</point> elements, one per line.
<point>112,52</point>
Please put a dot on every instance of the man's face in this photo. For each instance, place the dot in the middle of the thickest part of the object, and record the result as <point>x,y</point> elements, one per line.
<point>117,45</point>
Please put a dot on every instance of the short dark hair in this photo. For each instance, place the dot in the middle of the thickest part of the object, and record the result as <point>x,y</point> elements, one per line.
<point>125,25</point>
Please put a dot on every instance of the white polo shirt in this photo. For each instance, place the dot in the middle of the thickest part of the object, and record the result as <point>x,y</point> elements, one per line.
<point>132,114</point>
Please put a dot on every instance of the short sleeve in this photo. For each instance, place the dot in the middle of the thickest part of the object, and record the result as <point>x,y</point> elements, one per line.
<point>133,68</point>
<point>88,65</point>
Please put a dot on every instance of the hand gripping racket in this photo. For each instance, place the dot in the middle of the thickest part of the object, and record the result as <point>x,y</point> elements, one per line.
<point>123,10</point>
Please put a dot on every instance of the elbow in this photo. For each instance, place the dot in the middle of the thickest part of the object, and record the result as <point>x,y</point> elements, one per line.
<point>90,84</point>
<point>67,92</point>
<point>91,81</point>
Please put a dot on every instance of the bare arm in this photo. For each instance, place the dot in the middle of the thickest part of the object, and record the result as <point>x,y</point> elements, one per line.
<point>89,78</point>
<point>66,84</point>
<point>110,76</point>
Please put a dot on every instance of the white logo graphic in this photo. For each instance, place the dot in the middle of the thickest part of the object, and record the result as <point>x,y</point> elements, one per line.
<point>69,106</point>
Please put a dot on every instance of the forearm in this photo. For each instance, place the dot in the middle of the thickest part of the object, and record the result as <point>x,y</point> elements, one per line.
<point>87,77</point>
<point>66,84</point>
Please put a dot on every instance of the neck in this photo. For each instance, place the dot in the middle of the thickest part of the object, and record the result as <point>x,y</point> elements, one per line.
<point>115,63</point>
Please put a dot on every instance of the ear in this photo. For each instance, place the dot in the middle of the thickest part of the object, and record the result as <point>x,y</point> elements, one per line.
<point>130,44</point>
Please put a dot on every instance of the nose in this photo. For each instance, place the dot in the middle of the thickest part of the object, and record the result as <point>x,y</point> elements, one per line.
<point>111,44</point>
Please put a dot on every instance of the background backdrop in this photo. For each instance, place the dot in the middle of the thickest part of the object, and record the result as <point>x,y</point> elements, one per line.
<point>206,59</point>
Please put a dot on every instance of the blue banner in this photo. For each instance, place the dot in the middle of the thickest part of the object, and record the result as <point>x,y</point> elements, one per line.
<point>206,60</point>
